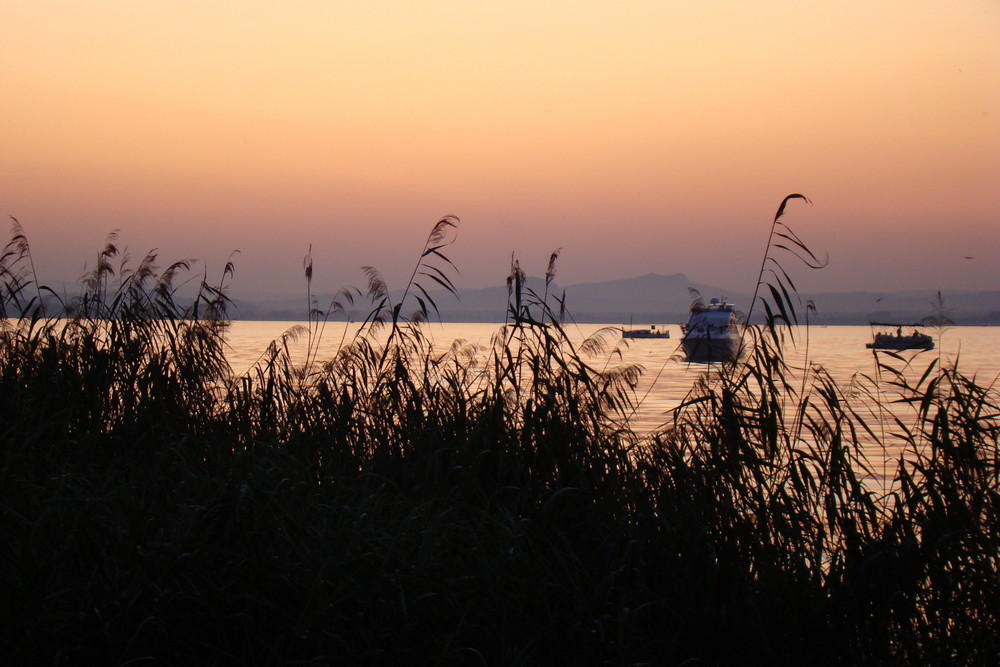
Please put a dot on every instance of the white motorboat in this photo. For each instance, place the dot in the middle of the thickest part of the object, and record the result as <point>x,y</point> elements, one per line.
<point>712,333</point>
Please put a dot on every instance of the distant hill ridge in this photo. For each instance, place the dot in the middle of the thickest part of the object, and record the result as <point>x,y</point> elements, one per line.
<point>661,299</point>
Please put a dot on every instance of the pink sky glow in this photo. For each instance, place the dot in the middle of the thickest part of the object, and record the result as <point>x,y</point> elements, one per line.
<point>637,136</point>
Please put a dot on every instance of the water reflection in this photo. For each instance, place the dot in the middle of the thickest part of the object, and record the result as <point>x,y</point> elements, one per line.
<point>839,350</point>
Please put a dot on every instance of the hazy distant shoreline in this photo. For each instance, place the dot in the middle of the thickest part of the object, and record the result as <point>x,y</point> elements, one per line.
<point>655,299</point>
<point>643,300</point>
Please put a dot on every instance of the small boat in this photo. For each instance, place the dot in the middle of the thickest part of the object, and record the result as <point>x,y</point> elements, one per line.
<point>886,339</point>
<point>712,333</point>
<point>651,332</point>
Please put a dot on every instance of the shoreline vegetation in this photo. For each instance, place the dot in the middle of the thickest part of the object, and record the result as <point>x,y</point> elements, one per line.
<point>400,504</point>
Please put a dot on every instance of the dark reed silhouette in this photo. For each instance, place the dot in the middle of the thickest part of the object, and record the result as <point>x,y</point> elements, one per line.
<point>398,503</point>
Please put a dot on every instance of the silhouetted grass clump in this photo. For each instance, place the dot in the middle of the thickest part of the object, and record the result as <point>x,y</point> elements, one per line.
<point>401,504</point>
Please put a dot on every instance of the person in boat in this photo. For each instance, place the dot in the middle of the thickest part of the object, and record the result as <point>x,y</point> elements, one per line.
<point>899,332</point>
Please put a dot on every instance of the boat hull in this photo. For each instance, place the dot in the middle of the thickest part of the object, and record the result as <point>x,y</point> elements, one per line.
<point>644,333</point>
<point>901,344</point>
<point>711,350</point>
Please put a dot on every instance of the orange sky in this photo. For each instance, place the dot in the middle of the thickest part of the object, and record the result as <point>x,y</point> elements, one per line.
<point>637,136</point>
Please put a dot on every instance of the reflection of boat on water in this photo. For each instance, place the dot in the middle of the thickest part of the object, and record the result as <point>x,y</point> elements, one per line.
<point>651,332</point>
<point>886,339</point>
<point>712,332</point>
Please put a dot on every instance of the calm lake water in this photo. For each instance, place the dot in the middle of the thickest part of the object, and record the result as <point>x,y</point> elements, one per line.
<point>839,349</point>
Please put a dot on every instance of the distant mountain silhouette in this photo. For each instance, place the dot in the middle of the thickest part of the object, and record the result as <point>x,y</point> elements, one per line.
<point>651,298</point>
<point>648,299</point>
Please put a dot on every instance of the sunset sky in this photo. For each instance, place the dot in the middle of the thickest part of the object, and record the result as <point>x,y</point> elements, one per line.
<point>639,137</point>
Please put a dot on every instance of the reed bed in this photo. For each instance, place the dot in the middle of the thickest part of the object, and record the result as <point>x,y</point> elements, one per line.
<point>399,504</point>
